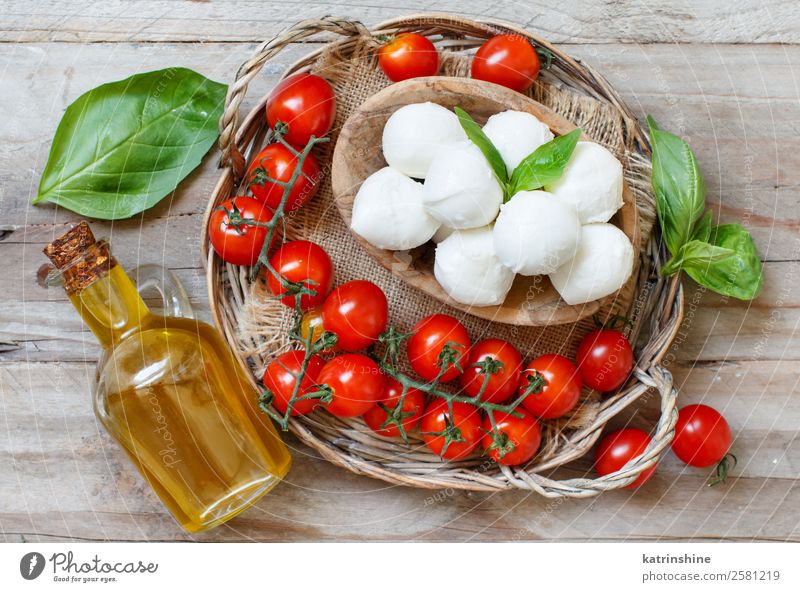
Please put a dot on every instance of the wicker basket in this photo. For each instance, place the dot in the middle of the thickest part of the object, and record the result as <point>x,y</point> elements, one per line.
<point>255,324</point>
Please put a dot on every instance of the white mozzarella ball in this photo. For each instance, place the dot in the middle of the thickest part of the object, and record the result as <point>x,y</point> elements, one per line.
<point>516,134</point>
<point>592,182</point>
<point>388,211</point>
<point>601,266</point>
<point>416,133</point>
<point>461,190</point>
<point>467,269</point>
<point>536,233</point>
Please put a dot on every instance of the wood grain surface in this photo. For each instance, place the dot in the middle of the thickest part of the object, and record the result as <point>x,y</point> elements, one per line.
<point>722,74</point>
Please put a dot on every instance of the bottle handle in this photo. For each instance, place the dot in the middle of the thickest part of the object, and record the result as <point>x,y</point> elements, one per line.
<point>176,302</point>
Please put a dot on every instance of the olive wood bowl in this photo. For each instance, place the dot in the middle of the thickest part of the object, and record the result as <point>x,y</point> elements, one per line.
<point>532,300</point>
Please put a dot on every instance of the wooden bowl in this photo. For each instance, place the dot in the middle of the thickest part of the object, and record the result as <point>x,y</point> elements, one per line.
<point>532,300</point>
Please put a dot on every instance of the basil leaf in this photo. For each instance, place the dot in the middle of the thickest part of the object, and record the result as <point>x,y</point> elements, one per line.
<point>544,165</point>
<point>697,253</point>
<point>737,273</point>
<point>123,146</point>
<point>678,186</point>
<point>484,144</point>
<point>702,230</point>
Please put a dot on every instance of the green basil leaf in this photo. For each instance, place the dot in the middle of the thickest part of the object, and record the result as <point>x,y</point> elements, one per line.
<point>737,273</point>
<point>484,144</point>
<point>697,253</point>
<point>678,186</point>
<point>123,146</point>
<point>702,230</point>
<point>544,165</point>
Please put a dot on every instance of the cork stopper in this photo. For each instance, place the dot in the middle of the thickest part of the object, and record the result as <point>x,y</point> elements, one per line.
<point>70,245</point>
<point>79,257</point>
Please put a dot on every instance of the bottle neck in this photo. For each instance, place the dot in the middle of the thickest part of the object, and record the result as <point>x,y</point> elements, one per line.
<point>111,306</point>
<point>97,286</point>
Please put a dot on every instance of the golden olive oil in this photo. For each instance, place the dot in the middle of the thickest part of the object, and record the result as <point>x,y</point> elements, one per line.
<point>173,395</point>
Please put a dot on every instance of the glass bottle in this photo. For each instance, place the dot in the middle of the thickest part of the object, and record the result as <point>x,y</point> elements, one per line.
<point>169,390</point>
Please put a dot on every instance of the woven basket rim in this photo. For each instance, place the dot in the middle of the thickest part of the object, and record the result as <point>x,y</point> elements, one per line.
<point>665,311</point>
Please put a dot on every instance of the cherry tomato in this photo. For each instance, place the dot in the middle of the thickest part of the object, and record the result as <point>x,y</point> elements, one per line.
<point>463,429</point>
<point>556,386</point>
<point>605,359</point>
<point>504,382</point>
<point>702,436</point>
<point>430,335</point>
<point>410,412</point>
<point>298,261</point>
<point>356,382</point>
<point>408,55</point>
<point>277,162</point>
<point>242,245</point>
<point>357,312</point>
<point>306,103</point>
<point>617,448</point>
<point>312,322</point>
<point>516,439</point>
<point>278,378</point>
<point>507,60</point>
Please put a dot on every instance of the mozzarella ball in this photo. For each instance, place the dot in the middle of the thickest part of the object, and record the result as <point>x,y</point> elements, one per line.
<point>536,233</point>
<point>601,266</point>
<point>516,134</point>
<point>416,133</point>
<point>461,190</point>
<point>592,182</point>
<point>388,211</point>
<point>466,267</point>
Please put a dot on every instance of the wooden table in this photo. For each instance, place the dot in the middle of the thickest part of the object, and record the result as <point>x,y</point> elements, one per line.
<point>722,74</point>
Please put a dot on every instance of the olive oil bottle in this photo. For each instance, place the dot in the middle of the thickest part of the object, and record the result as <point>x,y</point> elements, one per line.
<point>169,390</point>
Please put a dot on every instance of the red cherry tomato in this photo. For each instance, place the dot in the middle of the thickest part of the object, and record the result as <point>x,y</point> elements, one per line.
<point>605,360</point>
<point>507,60</point>
<point>278,378</point>
<point>463,429</point>
<point>702,436</point>
<point>356,382</point>
<point>410,413</point>
<point>617,448</point>
<point>408,55</point>
<point>516,439</point>
<point>277,162</point>
<point>357,312</point>
<point>430,335</point>
<point>242,245</point>
<point>306,103</point>
<point>298,261</point>
<point>556,386</point>
<point>504,382</point>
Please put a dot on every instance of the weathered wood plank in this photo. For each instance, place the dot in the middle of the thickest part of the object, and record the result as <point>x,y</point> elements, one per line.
<point>742,125</point>
<point>747,21</point>
<point>77,483</point>
<point>38,324</point>
<point>46,84</point>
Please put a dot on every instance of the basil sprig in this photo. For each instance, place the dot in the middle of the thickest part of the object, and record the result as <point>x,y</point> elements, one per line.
<point>123,146</point>
<point>544,165</point>
<point>722,258</point>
